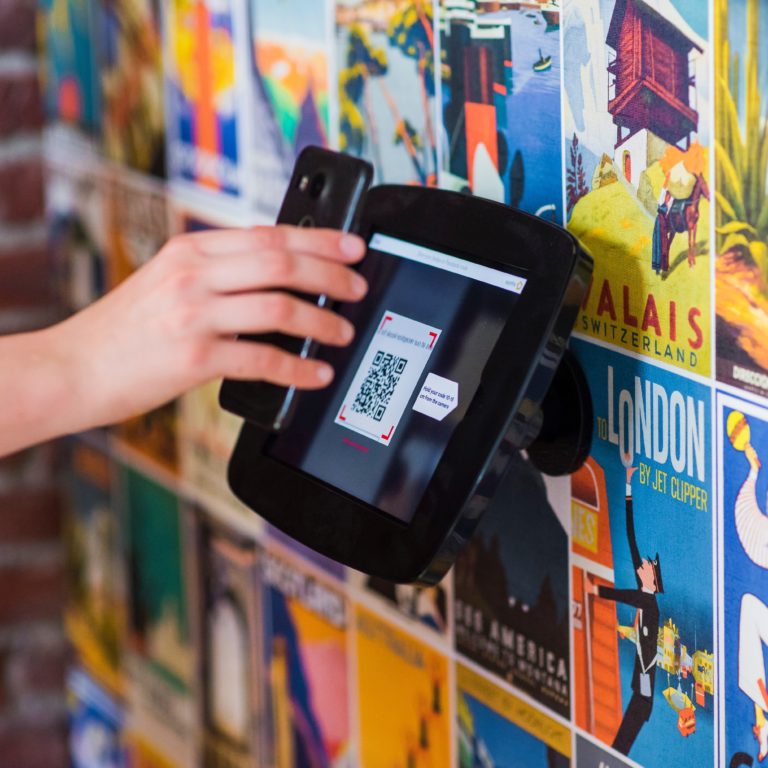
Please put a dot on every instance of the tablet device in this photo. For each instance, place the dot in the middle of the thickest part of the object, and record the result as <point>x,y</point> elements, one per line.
<point>468,313</point>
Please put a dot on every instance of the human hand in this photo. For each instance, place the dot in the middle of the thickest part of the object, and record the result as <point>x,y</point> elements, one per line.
<point>171,325</point>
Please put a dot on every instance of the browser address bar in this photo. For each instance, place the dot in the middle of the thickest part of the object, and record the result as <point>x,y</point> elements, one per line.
<point>430,258</point>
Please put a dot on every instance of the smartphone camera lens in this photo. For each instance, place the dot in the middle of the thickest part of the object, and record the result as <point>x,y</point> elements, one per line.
<point>317,186</point>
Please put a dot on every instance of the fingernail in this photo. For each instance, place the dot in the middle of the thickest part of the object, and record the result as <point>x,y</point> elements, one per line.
<point>324,374</point>
<point>347,332</point>
<point>352,246</point>
<point>359,286</point>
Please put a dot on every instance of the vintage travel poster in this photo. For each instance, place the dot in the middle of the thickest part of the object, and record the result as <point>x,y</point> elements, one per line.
<point>207,437</point>
<point>496,729</point>
<point>131,72</point>
<point>511,587</point>
<point>637,147</point>
<point>138,223</point>
<point>402,696</point>
<point>305,668</point>
<point>231,626</point>
<point>500,61</point>
<point>741,162</point>
<point>138,229</point>
<point>77,230</point>
<point>141,754</point>
<point>386,81</point>
<point>743,482</point>
<point>429,607</point>
<point>69,78</point>
<point>642,582</point>
<point>96,612</point>
<point>202,96</point>
<point>291,49</point>
<point>291,43</point>
<point>160,664</point>
<point>592,755</point>
<point>159,617</point>
<point>95,724</point>
<point>277,540</point>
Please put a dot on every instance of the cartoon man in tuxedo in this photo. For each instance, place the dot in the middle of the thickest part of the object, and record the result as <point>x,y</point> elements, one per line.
<point>643,598</point>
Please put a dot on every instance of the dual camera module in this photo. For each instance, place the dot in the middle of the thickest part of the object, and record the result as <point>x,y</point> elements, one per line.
<point>314,185</point>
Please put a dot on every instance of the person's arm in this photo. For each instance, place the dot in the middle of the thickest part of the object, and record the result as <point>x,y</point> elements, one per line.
<point>631,537</point>
<point>631,597</point>
<point>171,325</point>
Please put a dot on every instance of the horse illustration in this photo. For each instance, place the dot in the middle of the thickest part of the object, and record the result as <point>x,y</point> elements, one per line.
<point>678,211</point>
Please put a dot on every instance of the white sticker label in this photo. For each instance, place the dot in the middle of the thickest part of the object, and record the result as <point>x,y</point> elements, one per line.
<point>387,377</point>
<point>438,397</point>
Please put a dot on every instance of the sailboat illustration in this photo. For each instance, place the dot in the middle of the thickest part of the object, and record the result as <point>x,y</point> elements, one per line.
<point>544,63</point>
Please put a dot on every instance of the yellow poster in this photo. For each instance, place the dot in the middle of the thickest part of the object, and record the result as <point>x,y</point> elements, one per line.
<point>143,755</point>
<point>402,698</point>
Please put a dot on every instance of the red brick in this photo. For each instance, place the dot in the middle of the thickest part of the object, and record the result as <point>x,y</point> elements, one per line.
<point>17,25</point>
<point>30,516</point>
<point>25,279</point>
<point>5,695</point>
<point>38,670</point>
<point>31,592</point>
<point>21,190</point>
<point>28,745</point>
<point>20,105</point>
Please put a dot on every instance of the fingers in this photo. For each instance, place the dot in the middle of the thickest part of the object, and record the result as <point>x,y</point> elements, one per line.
<point>323,243</point>
<point>279,312</point>
<point>248,271</point>
<point>245,360</point>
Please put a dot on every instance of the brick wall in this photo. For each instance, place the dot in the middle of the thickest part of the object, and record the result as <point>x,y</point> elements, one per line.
<point>32,646</point>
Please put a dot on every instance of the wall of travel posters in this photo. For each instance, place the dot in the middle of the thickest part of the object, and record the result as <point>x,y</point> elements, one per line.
<point>613,618</point>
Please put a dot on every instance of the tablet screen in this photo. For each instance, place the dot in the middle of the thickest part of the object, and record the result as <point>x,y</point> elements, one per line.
<point>424,334</point>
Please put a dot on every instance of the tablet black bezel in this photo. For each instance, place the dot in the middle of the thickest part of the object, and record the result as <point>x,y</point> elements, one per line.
<point>514,381</point>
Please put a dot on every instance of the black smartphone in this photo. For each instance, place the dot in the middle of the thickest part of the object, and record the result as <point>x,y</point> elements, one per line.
<point>326,190</point>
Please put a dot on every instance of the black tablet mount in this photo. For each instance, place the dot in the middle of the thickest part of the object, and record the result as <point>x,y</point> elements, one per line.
<point>566,421</point>
<point>532,396</point>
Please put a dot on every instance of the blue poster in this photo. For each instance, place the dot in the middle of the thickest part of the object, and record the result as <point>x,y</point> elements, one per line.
<point>95,724</point>
<point>493,725</point>
<point>500,62</point>
<point>642,565</point>
<point>202,97</point>
<point>743,433</point>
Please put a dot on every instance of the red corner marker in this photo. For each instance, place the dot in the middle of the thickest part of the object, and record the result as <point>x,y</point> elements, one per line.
<point>342,417</point>
<point>387,437</point>
<point>434,339</point>
<point>387,319</point>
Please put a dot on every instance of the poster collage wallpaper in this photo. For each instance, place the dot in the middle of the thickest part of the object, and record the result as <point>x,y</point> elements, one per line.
<point>617,617</point>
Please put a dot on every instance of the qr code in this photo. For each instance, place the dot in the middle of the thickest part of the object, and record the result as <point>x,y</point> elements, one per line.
<point>379,385</point>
